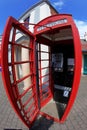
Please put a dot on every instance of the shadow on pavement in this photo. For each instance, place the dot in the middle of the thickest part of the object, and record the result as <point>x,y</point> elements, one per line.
<point>42,124</point>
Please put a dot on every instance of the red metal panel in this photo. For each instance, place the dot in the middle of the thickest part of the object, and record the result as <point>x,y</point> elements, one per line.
<point>77,70</point>
<point>22,95</point>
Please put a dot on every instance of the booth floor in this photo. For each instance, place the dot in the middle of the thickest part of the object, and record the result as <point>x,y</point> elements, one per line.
<point>54,108</point>
<point>77,118</point>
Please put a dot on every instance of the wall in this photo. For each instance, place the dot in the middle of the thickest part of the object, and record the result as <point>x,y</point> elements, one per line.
<point>37,14</point>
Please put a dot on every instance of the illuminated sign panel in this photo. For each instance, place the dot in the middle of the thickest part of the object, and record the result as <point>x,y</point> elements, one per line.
<point>58,22</point>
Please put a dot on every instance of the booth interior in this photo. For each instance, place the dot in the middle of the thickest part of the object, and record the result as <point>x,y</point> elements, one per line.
<point>60,44</point>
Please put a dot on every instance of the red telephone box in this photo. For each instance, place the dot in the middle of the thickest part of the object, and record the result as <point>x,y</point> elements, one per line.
<point>41,71</point>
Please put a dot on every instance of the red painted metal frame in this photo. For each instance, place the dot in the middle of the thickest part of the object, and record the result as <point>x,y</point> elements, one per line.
<point>12,90</point>
<point>77,52</point>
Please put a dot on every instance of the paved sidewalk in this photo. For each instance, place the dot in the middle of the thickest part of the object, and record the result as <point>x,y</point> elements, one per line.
<point>77,119</point>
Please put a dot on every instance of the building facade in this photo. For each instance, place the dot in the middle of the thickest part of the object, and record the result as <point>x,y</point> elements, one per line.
<point>36,13</point>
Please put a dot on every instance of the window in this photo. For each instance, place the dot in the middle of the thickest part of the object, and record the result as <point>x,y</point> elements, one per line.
<point>26,22</point>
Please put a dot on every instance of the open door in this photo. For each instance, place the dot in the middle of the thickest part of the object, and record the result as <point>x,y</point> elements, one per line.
<point>59,65</point>
<point>18,70</point>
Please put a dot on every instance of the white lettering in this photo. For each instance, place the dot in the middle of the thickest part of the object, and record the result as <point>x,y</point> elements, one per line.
<point>52,24</point>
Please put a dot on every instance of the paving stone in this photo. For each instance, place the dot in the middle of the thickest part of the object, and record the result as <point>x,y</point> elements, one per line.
<point>77,119</point>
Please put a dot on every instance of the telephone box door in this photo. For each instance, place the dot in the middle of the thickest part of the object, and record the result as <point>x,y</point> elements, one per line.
<point>18,70</point>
